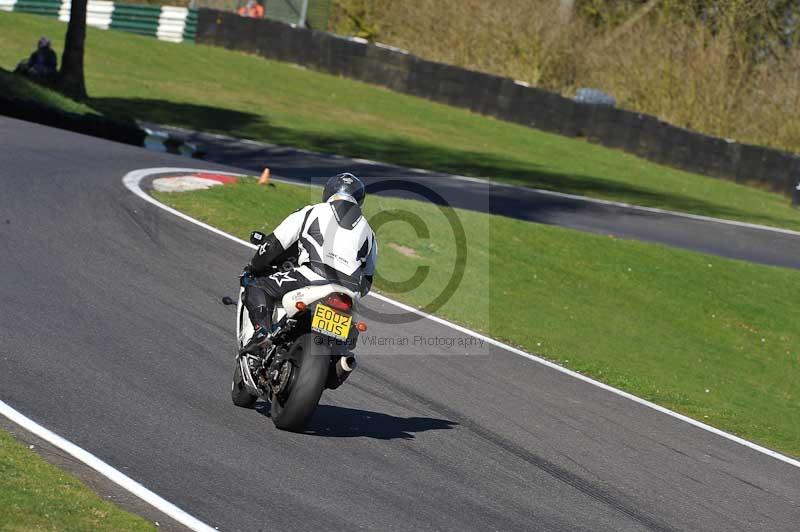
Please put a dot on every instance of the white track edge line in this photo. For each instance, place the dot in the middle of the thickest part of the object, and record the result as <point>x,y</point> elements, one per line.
<point>542,191</point>
<point>132,182</point>
<point>104,469</point>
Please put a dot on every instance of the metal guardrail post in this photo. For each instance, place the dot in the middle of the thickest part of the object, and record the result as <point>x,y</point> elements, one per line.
<point>303,14</point>
<point>796,192</point>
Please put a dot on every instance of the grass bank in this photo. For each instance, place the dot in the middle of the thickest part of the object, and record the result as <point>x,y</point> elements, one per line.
<point>35,495</point>
<point>213,89</point>
<point>715,339</point>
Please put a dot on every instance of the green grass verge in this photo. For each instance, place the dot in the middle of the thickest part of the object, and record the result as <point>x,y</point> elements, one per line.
<point>214,89</point>
<point>35,495</point>
<point>713,338</point>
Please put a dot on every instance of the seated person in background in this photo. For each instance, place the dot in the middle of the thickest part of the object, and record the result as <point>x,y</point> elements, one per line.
<point>42,64</point>
<point>251,9</point>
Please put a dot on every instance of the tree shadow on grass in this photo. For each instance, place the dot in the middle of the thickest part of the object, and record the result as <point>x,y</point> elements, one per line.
<point>200,117</point>
<point>402,151</point>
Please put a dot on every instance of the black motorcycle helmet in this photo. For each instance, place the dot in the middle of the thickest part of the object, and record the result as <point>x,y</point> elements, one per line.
<point>344,186</point>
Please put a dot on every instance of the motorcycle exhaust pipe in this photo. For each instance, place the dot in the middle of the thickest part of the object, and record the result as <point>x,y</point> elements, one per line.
<point>344,367</point>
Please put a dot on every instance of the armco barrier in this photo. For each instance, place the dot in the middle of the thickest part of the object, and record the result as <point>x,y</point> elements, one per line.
<point>640,134</point>
<point>139,19</point>
<point>174,24</point>
<point>98,13</point>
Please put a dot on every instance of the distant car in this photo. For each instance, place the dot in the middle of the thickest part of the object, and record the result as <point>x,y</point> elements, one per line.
<point>594,97</point>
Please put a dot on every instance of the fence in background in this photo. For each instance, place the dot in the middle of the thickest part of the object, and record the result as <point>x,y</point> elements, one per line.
<point>288,11</point>
<point>174,24</point>
<point>506,99</point>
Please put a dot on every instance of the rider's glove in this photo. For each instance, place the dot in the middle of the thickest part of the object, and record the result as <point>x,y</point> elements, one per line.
<point>247,275</point>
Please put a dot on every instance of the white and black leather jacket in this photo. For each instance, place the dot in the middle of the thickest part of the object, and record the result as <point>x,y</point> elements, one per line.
<point>333,239</point>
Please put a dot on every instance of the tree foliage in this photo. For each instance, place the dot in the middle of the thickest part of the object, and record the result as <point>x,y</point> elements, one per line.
<point>354,17</point>
<point>766,28</point>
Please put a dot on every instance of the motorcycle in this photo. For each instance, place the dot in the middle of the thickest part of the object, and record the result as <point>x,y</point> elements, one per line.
<point>313,334</point>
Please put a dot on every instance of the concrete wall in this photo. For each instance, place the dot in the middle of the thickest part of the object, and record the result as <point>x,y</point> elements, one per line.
<point>174,24</point>
<point>503,98</point>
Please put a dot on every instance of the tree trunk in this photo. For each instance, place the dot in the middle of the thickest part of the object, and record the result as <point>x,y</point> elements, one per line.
<point>70,77</point>
<point>566,9</point>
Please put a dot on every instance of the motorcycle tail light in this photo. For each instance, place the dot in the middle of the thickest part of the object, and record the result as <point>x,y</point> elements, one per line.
<point>339,302</point>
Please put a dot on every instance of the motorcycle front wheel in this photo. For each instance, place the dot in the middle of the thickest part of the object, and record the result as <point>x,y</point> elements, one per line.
<point>312,363</point>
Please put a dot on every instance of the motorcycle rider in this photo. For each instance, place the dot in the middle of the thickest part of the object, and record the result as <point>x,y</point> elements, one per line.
<point>331,241</point>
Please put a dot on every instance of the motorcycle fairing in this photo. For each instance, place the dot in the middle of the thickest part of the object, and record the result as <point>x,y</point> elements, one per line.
<point>310,294</point>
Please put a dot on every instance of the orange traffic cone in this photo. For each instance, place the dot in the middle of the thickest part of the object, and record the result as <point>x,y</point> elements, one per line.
<point>264,179</point>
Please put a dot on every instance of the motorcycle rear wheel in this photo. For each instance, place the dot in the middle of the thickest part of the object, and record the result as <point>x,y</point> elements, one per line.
<point>314,360</point>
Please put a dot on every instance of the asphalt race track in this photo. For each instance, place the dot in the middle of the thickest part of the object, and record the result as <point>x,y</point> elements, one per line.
<point>735,242</point>
<point>112,335</point>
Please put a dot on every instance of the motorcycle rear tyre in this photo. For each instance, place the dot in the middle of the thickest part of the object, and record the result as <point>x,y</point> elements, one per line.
<point>293,414</point>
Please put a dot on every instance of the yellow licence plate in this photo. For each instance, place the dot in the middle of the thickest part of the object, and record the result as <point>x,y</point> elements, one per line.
<point>328,321</point>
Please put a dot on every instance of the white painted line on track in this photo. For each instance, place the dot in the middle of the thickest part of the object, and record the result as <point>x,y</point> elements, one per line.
<point>104,469</point>
<point>365,161</point>
<point>132,182</point>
